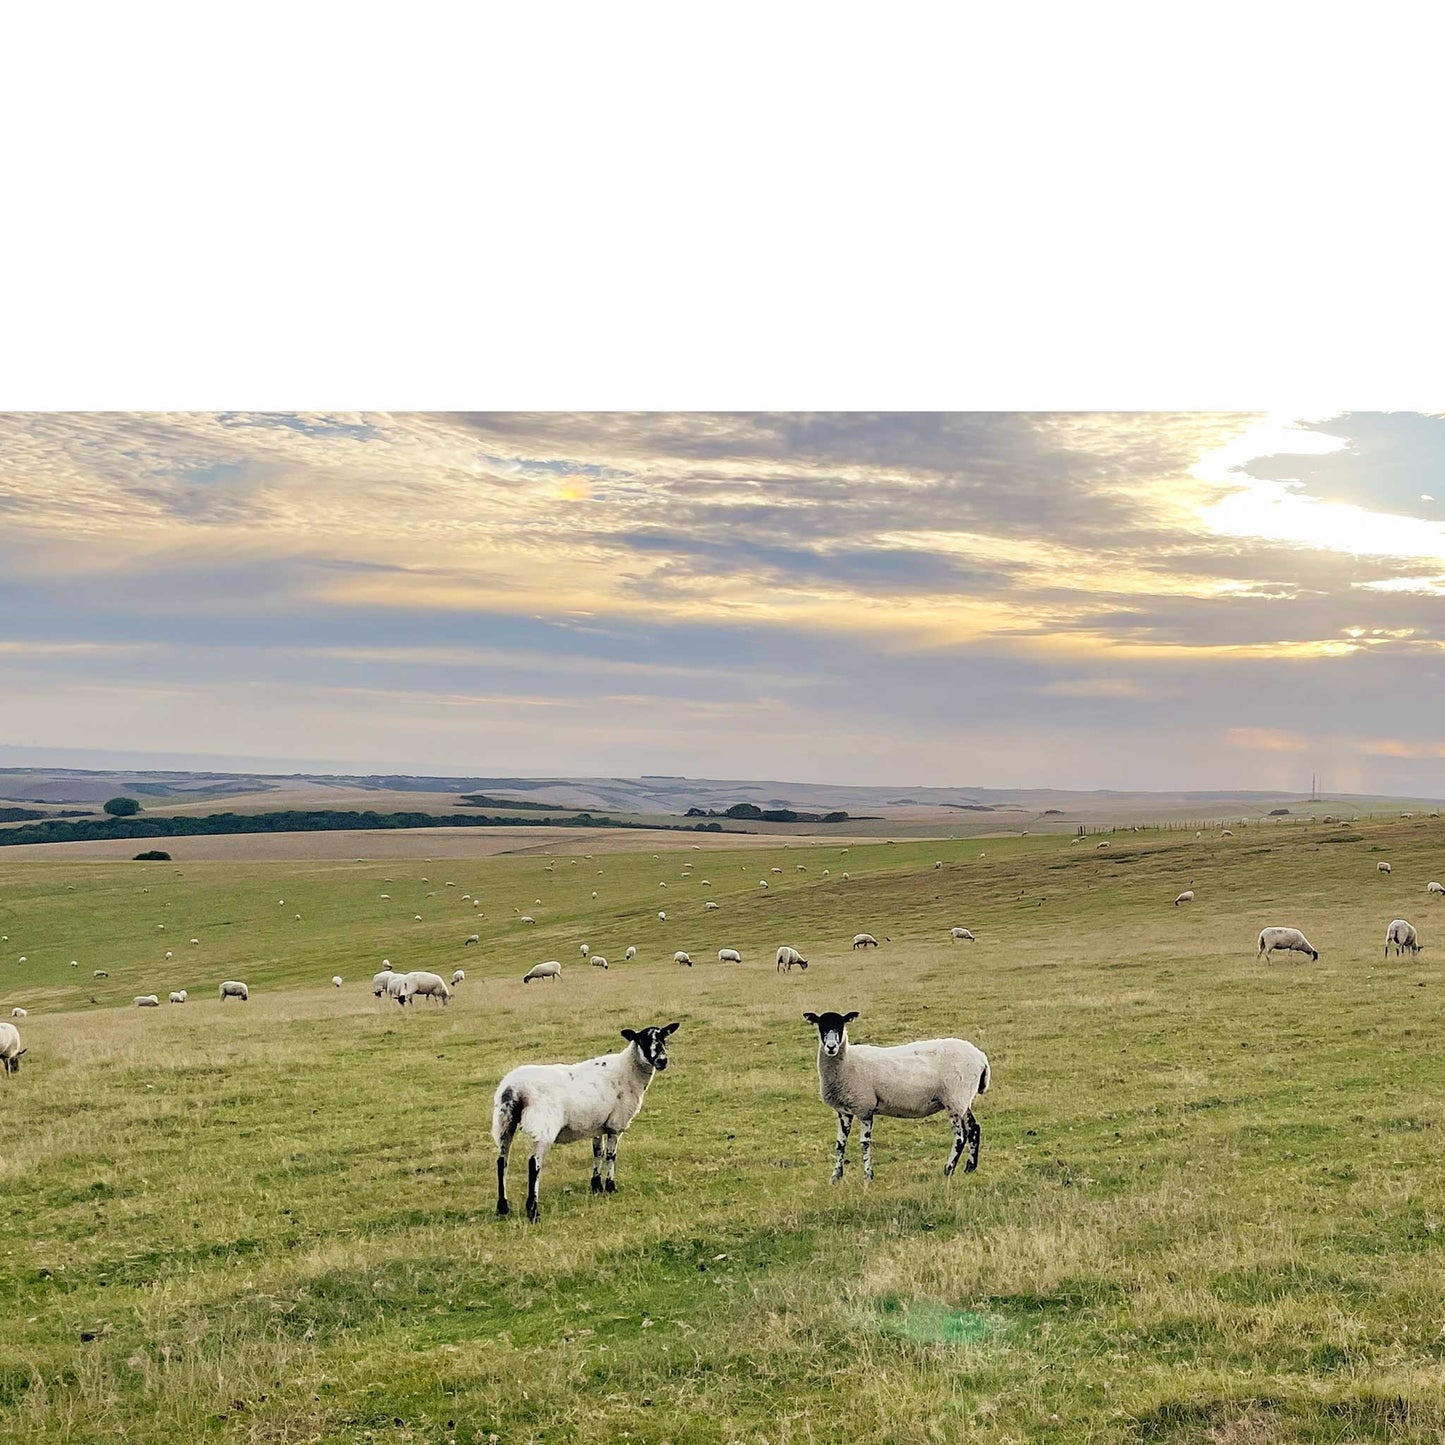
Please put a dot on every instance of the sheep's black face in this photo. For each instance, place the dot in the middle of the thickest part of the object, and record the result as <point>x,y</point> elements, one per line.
<point>12,1065</point>
<point>651,1043</point>
<point>831,1028</point>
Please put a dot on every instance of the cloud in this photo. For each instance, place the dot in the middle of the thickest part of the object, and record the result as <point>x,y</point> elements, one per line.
<point>1268,740</point>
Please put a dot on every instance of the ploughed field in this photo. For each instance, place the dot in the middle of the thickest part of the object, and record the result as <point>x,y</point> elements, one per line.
<point>1210,1204</point>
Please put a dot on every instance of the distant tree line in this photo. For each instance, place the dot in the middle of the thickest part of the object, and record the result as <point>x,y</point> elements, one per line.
<point>26,815</point>
<point>88,830</point>
<point>752,812</point>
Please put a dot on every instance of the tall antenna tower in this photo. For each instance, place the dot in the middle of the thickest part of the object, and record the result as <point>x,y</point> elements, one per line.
<point>1314,788</point>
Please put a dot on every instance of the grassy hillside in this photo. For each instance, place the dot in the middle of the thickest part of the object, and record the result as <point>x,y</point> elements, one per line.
<point>1209,1204</point>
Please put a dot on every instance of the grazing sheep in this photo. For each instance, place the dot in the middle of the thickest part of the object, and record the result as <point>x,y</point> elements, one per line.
<point>147,1000</point>
<point>550,969</point>
<point>802,867</point>
<point>661,917</point>
<point>336,980</point>
<point>594,893</point>
<point>706,883</point>
<point>169,954</point>
<point>527,918</point>
<point>234,988</point>
<point>1404,937</point>
<point>1225,833</point>
<point>395,984</point>
<point>1186,897</point>
<point>789,958</point>
<point>1382,867</point>
<point>729,955</point>
<point>10,1051</point>
<point>194,942</point>
<point>100,973</point>
<point>19,1013</point>
<point>1104,844</point>
<point>631,952</point>
<point>1435,888</point>
<point>847,876</point>
<point>775,870</point>
<point>1286,940</point>
<point>709,907</point>
<point>598,961</point>
<point>961,935</point>
<point>681,957</point>
<point>763,883</point>
<point>421,984</point>
<point>586,949</point>
<point>907,1081</point>
<point>179,996</point>
<point>864,940</point>
<point>459,976</point>
<point>386,897</point>
<point>470,939</point>
<point>826,872</point>
<point>561,1103</point>
<point>938,865</point>
<point>379,981</point>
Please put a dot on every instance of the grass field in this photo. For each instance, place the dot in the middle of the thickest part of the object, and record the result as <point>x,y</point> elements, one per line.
<point>1210,1206</point>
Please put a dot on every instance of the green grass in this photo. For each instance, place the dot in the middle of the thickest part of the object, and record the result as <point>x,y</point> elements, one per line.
<point>1211,1202</point>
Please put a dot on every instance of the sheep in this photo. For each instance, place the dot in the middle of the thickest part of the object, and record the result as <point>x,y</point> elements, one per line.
<point>864,940</point>
<point>195,942</point>
<point>459,976</point>
<point>961,935</point>
<point>147,1000</point>
<point>178,996</point>
<point>709,907</point>
<point>789,958</point>
<point>847,876</point>
<point>1404,937</point>
<point>395,984</point>
<point>386,897</point>
<point>729,955</point>
<point>661,916</point>
<point>336,980</point>
<point>802,867</point>
<point>1382,867</point>
<point>234,988</point>
<point>598,961</point>
<point>631,952</point>
<point>907,1081</point>
<point>100,973</point>
<point>527,918</point>
<point>775,870</point>
<point>1104,844</point>
<point>1225,833</point>
<point>169,954</point>
<point>594,893</point>
<point>379,981</point>
<point>586,949</point>
<point>826,872</point>
<point>19,1013</point>
<point>1286,940</point>
<point>421,984</point>
<point>1186,897</point>
<point>562,1103</point>
<point>1435,888</point>
<point>10,1051</point>
<point>415,918</point>
<point>706,882</point>
<point>938,865</point>
<point>763,884</point>
<point>681,957</point>
<point>470,939</point>
<point>550,969</point>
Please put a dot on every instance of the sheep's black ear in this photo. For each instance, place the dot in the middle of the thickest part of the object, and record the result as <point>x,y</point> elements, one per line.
<point>848,1018</point>
<point>629,1036</point>
<point>670,1029</point>
<point>811,1018</point>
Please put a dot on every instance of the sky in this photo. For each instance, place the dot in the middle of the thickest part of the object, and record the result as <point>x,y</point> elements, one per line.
<point>1136,601</point>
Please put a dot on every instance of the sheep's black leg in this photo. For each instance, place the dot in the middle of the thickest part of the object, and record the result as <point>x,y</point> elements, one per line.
<point>960,1139</point>
<point>845,1126</point>
<point>975,1139</point>
<point>597,1164</point>
<point>534,1171</point>
<point>866,1134</point>
<point>504,1149</point>
<point>611,1163</point>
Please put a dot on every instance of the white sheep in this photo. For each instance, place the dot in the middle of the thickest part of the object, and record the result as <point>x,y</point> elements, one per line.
<point>775,870</point>
<point>706,882</point>
<point>178,996</point>
<point>631,952</point>
<point>395,984</point>
<point>661,917</point>
<point>1382,867</point>
<point>561,1103</point>
<point>550,969</point>
<point>961,935</point>
<point>527,918</point>
<point>1403,936</point>
<point>421,984</point>
<point>586,949</point>
<point>379,981</point>
<point>19,1013</point>
<point>470,939</point>
<point>864,940</point>
<point>681,957</point>
<point>907,1081</point>
<point>336,980</point>
<point>169,954</point>
<point>938,865</point>
<point>789,958</point>
<point>1286,940</point>
<point>594,893</point>
<point>147,1000</point>
<point>709,907</point>
<point>847,876</point>
<point>763,884</point>
<point>459,976</point>
<point>1435,888</point>
<point>195,942</point>
<point>1104,844</point>
<point>100,973</point>
<point>1186,897</point>
<point>1225,833</point>
<point>598,961</point>
<point>10,1050</point>
<point>234,988</point>
<point>729,955</point>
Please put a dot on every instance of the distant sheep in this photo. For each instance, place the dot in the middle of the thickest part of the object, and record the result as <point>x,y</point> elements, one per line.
<point>1404,938</point>
<point>789,958</point>
<point>10,1050</point>
<point>598,961</point>
<point>775,870</point>
<point>938,865</point>
<point>147,1000</point>
<point>864,940</point>
<point>179,996</point>
<point>1435,888</point>
<point>234,988</point>
<point>459,977</point>
<point>661,917</point>
<point>709,907</point>
<point>763,883</point>
<point>961,935</point>
<point>470,939</point>
<point>1104,844</point>
<point>1225,833</point>
<point>527,918</point>
<point>1382,868</point>
<point>847,876</point>
<point>631,952</point>
<point>19,1013</point>
<point>550,969</point>
<point>194,942</point>
<point>1186,897</point>
<point>729,955</point>
<point>1284,940</point>
<point>586,949</point>
<point>681,957</point>
<point>336,980</point>
<point>100,973</point>
<point>169,954</point>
